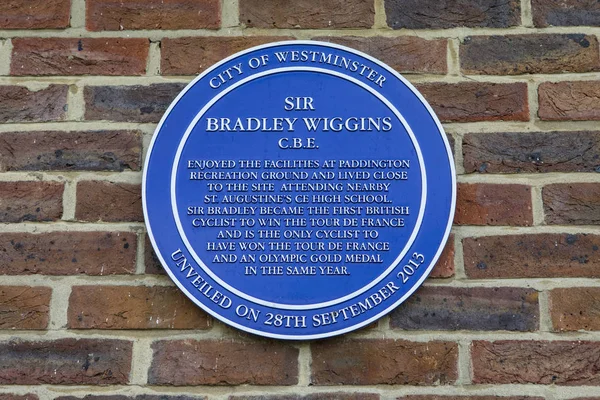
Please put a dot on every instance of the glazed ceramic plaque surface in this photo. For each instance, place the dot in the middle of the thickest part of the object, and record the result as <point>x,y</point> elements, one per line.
<point>299,190</point>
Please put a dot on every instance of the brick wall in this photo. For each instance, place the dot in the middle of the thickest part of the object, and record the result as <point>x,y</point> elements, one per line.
<point>512,310</point>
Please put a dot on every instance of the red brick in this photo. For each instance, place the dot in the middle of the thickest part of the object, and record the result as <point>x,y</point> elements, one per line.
<point>403,53</point>
<point>34,14</point>
<point>10,396</point>
<point>434,14</point>
<point>30,201</point>
<point>383,361</point>
<point>444,267</point>
<point>108,202</point>
<point>537,362</point>
<point>477,101</point>
<point>133,307</point>
<point>118,15</point>
<point>151,261</point>
<point>564,101</point>
<point>138,397</point>
<point>68,253</point>
<point>572,204</point>
<point>223,362</point>
<point>575,308</point>
<point>491,204</point>
<point>475,309</point>
<point>312,396</point>
<point>65,362</point>
<point>586,398</point>
<point>192,55</point>
<point>565,13</point>
<point>96,397</point>
<point>130,103</point>
<point>23,105</point>
<point>307,14</point>
<point>529,54</point>
<point>544,255</point>
<point>515,152</point>
<point>453,397</point>
<point>24,307</point>
<point>66,151</point>
<point>86,56</point>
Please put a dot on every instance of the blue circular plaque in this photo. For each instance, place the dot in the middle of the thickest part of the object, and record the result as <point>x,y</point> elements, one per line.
<point>299,190</point>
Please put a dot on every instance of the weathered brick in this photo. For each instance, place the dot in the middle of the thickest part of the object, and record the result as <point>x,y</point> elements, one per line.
<point>480,309</point>
<point>403,53</point>
<point>572,204</point>
<point>192,55</point>
<point>65,151</point>
<point>124,397</point>
<point>452,144</point>
<point>563,101</point>
<point>223,362</point>
<point>66,362</point>
<point>24,105</point>
<point>491,204</point>
<point>434,14</point>
<point>30,201</point>
<point>86,56</point>
<point>10,396</point>
<point>538,362</point>
<point>586,398</point>
<point>383,361</point>
<point>167,397</point>
<point>24,307</point>
<point>312,396</point>
<point>514,152</point>
<point>529,54</point>
<point>151,261</point>
<point>477,101</point>
<point>117,15</point>
<point>565,13</point>
<point>68,253</point>
<point>454,397</point>
<point>444,267</point>
<point>34,14</point>
<point>575,308</point>
<point>545,255</point>
<point>130,103</point>
<point>108,202</point>
<point>133,307</point>
<point>325,14</point>
<point>138,397</point>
